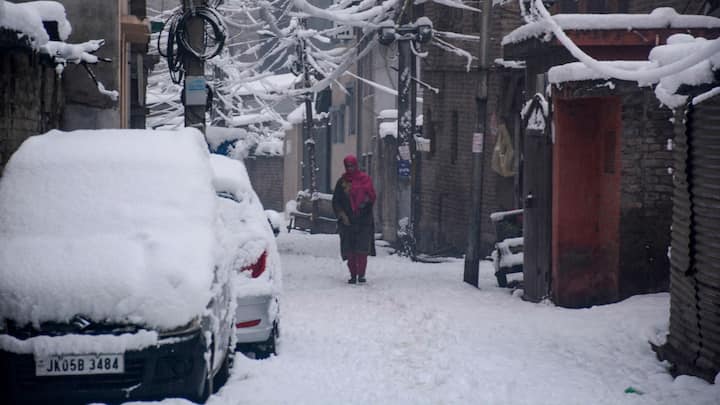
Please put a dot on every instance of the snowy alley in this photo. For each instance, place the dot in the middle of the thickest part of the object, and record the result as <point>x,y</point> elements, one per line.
<point>417,334</point>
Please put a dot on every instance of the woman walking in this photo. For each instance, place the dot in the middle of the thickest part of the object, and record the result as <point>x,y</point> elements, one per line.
<point>353,201</point>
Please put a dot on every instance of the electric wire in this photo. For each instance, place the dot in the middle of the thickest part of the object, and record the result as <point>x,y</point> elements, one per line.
<point>178,45</point>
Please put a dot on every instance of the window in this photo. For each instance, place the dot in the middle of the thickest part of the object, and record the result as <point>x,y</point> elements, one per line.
<point>337,123</point>
<point>350,103</point>
<point>455,134</point>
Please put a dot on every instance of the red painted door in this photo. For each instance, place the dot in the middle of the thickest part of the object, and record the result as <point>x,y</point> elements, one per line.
<point>586,201</point>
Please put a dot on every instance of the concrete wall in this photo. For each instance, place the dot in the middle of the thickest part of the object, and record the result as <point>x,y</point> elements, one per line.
<point>292,178</point>
<point>87,108</point>
<point>31,98</point>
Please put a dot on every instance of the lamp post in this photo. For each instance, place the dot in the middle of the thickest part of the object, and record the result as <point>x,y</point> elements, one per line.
<point>406,35</point>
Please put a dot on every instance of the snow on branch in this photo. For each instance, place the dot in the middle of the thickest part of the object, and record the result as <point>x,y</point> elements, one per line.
<point>454,49</point>
<point>643,76</point>
<point>456,4</point>
<point>365,15</point>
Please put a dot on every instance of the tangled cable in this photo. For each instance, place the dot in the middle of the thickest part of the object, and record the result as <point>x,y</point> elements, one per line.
<point>178,45</point>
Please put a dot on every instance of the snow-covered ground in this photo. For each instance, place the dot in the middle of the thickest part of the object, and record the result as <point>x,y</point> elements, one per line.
<point>417,334</point>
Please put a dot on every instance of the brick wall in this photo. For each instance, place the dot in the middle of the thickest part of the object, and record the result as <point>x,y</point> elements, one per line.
<point>30,99</point>
<point>646,202</point>
<point>446,181</point>
<point>266,175</point>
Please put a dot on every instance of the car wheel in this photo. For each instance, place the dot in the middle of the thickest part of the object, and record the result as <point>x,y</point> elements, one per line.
<point>206,391</point>
<point>269,347</point>
<point>224,372</point>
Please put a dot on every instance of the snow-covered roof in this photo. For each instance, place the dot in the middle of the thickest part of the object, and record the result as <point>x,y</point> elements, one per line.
<point>256,118</point>
<point>663,17</point>
<point>677,47</point>
<point>270,84</point>
<point>388,114</point>
<point>117,225</point>
<point>578,71</point>
<point>27,18</point>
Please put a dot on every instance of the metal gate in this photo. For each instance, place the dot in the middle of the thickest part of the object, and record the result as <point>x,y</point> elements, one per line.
<point>693,345</point>
<point>537,214</point>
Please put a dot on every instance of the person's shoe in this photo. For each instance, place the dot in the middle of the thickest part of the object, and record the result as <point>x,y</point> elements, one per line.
<point>361,279</point>
<point>352,280</point>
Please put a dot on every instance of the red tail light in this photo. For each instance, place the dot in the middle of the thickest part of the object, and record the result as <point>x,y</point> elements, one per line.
<point>248,324</point>
<point>258,267</point>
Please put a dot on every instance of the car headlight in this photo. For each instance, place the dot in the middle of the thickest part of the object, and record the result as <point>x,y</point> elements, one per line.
<point>192,327</point>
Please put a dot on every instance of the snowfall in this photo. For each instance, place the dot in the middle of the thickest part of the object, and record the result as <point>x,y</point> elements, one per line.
<point>416,333</point>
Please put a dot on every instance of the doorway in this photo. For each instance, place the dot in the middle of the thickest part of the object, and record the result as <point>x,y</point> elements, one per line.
<point>586,201</point>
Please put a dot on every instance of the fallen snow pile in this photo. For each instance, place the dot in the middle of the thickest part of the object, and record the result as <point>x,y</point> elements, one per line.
<point>117,225</point>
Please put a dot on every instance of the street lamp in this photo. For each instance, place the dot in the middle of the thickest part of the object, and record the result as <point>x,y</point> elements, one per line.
<point>419,32</point>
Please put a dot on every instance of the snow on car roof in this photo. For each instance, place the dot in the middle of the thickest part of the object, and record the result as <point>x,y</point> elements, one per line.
<point>116,225</point>
<point>229,175</point>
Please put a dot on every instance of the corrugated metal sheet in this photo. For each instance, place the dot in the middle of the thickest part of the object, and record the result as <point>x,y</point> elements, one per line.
<point>695,262</point>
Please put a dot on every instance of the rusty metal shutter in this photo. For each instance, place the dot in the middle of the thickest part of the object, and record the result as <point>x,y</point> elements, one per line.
<point>704,127</point>
<point>693,344</point>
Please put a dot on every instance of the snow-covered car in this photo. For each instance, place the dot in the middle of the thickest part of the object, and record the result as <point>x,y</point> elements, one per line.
<point>250,246</point>
<point>113,288</point>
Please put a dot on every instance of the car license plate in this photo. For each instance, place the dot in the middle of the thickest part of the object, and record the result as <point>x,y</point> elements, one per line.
<point>79,364</point>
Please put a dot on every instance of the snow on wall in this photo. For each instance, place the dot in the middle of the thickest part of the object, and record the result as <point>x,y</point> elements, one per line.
<point>118,225</point>
<point>664,17</point>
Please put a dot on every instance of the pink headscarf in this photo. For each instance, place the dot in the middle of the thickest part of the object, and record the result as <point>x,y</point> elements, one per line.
<point>361,186</point>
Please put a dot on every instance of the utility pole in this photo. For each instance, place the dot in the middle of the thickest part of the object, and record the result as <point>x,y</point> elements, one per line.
<point>406,34</point>
<point>405,130</point>
<point>472,255</point>
<point>308,139</point>
<point>195,86</point>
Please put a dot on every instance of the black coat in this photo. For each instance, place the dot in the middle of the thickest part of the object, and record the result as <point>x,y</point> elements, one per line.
<point>359,236</point>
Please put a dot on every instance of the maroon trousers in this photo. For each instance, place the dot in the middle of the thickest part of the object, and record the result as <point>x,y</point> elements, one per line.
<point>357,262</point>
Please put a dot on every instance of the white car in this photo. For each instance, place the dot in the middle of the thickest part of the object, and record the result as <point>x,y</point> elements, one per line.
<point>112,286</point>
<point>249,242</point>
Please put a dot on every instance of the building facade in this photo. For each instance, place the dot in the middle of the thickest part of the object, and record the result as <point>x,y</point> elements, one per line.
<point>472,105</point>
<point>125,29</point>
